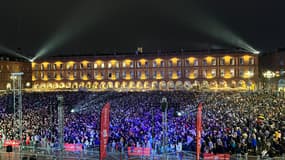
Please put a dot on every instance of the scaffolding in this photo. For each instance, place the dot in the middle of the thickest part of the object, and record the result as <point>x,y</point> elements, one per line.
<point>17,104</point>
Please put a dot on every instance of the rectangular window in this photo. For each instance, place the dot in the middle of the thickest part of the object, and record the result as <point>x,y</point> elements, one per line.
<point>146,64</point>
<point>178,73</point>
<point>162,74</point>
<point>196,73</point>
<point>81,66</point>
<point>75,66</point>
<point>139,74</point>
<point>154,74</point>
<point>214,62</point>
<point>213,72</point>
<point>102,65</point>
<point>89,66</point>
<point>146,74</point>
<point>109,65</point>
<point>222,73</point>
<point>204,72</point>
<point>131,64</point>
<point>95,66</point>
<point>241,61</point>
<point>154,64</point>
<point>232,71</point>
<point>170,74</point>
<point>251,61</point>
<point>187,63</point>
<point>162,64</point>
<point>139,64</point>
<point>241,72</point>
<point>117,74</point>
<point>232,61</point>
<point>204,63</point>
<point>124,74</point>
<point>196,62</point>
<point>117,65</point>
<point>124,65</point>
<point>132,73</point>
<point>222,61</point>
<point>170,64</point>
<point>179,63</point>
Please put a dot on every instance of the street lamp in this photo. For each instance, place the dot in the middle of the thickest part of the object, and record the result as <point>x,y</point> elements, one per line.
<point>268,75</point>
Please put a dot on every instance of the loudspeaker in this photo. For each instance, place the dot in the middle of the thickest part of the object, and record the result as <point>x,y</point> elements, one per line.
<point>9,148</point>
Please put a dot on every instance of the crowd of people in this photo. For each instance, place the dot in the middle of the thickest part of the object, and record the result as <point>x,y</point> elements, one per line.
<point>233,122</point>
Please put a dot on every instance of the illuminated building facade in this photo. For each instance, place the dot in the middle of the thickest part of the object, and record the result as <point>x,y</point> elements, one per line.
<point>163,71</point>
<point>9,65</point>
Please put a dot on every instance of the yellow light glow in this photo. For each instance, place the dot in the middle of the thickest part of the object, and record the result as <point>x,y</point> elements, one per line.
<point>192,76</point>
<point>158,60</point>
<point>227,59</point>
<point>191,60</point>
<point>246,58</point>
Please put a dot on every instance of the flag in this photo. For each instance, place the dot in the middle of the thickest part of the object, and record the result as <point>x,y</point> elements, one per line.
<point>104,132</point>
<point>198,130</point>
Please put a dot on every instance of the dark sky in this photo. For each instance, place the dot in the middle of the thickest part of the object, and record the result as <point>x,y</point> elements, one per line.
<point>87,26</point>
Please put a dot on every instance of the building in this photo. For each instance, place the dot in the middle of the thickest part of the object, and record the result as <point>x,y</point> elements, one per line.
<point>8,65</point>
<point>149,71</point>
<point>272,69</point>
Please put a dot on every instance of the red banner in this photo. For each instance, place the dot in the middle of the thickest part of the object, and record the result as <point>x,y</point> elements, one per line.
<point>199,130</point>
<point>72,147</point>
<point>138,151</point>
<point>104,132</point>
<point>13,143</point>
<point>210,156</point>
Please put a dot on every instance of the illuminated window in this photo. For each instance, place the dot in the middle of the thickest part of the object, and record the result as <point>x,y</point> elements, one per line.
<point>124,74</point>
<point>81,66</point>
<point>89,66</point>
<point>75,66</point>
<point>186,73</point>
<point>42,75</point>
<point>170,63</point>
<point>132,73</point>
<point>187,63</point>
<point>146,74</point>
<point>131,65</point>
<point>42,67</point>
<point>196,62</point>
<point>179,63</point>
<point>196,73</point>
<point>146,64</point>
<point>95,66</point>
<point>213,72</point>
<point>89,75</point>
<point>154,64</point>
<point>214,62</point>
<point>124,64</point>
<point>95,74</point>
<point>139,74</point>
<point>102,65</point>
<point>251,61</point>
<point>75,74</point>
<point>162,74</point>
<point>117,74</point>
<point>109,65</point>
<point>117,65</point>
<point>232,71</point>
<point>162,63</point>
<point>54,67</point>
<point>139,64</point>
<point>222,73</point>
<point>49,66</point>
<point>169,73</point>
<point>178,73</point>
<point>204,72</point>
<point>222,61</point>
<point>241,61</point>
<point>241,73</point>
<point>102,74</point>
<point>61,66</point>
<point>67,66</point>
<point>232,61</point>
<point>204,63</point>
<point>154,74</point>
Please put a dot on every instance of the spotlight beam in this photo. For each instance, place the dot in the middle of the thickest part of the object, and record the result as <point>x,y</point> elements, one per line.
<point>11,52</point>
<point>84,18</point>
<point>190,14</point>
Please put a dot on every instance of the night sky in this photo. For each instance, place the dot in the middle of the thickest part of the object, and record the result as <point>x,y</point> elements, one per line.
<point>88,26</point>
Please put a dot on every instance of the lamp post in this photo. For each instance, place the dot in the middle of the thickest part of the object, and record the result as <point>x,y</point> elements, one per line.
<point>164,106</point>
<point>268,75</point>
